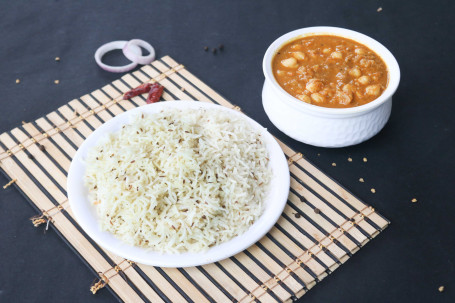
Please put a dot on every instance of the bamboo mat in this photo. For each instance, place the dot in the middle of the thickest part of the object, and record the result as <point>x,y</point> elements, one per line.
<point>322,226</point>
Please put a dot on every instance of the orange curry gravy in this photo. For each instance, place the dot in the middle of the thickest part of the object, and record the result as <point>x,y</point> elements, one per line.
<point>330,71</point>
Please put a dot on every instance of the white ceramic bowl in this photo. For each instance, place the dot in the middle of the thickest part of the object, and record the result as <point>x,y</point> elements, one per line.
<point>322,126</point>
<point>86,216</point>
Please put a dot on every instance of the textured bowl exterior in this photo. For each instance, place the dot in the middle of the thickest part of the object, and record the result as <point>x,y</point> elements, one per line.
<point>323,130</point>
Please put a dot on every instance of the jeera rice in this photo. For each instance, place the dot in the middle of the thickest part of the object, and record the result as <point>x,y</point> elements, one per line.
<point>179,180</point>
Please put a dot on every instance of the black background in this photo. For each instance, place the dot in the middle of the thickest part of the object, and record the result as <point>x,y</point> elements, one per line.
<point>411,158</point>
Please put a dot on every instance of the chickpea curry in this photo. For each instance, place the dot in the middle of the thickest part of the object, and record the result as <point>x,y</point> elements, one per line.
<point>330,71</point>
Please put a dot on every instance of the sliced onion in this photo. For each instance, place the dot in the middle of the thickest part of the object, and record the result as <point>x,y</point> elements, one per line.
<point>103,49</point>
<point>133,56</point>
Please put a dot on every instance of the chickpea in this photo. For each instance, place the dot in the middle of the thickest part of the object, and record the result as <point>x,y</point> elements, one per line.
<point>326,50</point>
<point>324,92</point>
<point>296,47</point>
<point>348,88</point>
<point>290,63</point>
<point>364,80</point>
<point>299,55</point>
<point>315,67</point>
<point>343,98</point>
<point>360,51</point>
<point>373,90</point>
<point>336,55</point>
<point>280,72</point>
<point>355,72</point>
<point>314,85</point>
<point>318,98</point>
<point>304,98</point>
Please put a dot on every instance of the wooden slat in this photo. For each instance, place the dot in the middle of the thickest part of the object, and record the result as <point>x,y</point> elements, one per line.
<point>196,94</point>
<point>338,189</point>
<point>327,210</point>
<point>56,154</point>
<point>58,138</point>
<point>315,233</point>
<point>90,118</point>
<point>315,267</point>
<point>185,284</point>
<point>206,284</point>
<point>227,283</point>
<point>104,115</point>
<point>309,245</point>
<point>42,159</point>
<point>162,283</point>
<point>286,260</point>
<point>265,278</point>
<point>246,280</point>
<point>275,268</point>
<point>328,197</point>
<point>322,222</point>
<point>70,133</point>
<point>197,82</point>
<point>69,114</point>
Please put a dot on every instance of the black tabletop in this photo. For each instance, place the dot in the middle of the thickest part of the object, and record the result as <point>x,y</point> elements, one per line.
<point>412,157</point>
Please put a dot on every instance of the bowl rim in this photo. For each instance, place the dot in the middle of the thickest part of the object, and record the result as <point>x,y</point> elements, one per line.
<point>378,48</point>
<point>85,214</point>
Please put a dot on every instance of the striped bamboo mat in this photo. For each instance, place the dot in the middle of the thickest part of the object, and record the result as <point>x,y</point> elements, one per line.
<point>321,227</point>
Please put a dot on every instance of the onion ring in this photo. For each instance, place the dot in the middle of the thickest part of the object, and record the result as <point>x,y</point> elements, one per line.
<point>103,49</point>
<point>138,58</point>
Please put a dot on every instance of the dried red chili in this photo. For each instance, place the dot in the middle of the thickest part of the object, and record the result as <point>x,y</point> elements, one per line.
<point>156,90</point>
<point>141,89</point>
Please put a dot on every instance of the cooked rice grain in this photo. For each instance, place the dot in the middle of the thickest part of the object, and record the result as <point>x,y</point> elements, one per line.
<point>179,180</point>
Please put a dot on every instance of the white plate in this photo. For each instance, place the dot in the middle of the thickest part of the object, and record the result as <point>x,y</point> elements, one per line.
<point>85,213</point>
